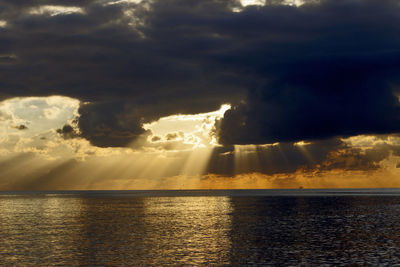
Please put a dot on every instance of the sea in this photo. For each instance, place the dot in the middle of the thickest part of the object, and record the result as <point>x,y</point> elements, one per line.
<point>301,227</point>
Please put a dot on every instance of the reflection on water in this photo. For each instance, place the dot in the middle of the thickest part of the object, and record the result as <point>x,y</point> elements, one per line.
<point>191,230</point>
<point>106,229</point>
<point>82,230</point>
<point>351,230</point>
<point>38,229</point>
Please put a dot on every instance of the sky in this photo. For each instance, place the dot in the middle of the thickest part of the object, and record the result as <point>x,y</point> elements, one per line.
<point>188,94</point>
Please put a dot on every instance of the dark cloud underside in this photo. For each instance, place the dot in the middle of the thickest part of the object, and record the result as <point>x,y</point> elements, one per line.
<point>321,70</point>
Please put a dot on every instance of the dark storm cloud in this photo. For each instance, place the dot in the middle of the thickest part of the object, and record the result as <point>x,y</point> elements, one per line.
<point>104,128</point>
<point>100,56</point>
<point>317,71</point>
<point>330,71</point>
<point>67,132</point>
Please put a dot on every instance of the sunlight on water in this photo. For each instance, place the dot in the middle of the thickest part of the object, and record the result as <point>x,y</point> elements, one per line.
<point>198,232</point>
<point>214,228</point>
<point>114,231</point>
<point>39,229</point>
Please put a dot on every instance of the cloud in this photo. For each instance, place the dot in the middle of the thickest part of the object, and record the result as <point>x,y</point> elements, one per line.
<point>37,114</point>
<point>67,132</point>
<point>55,10</point>
<point>321,70</point>
<point>99,56</point>
<point>21,127</point>
<point>156,138</point>
<point>316,72</point>
<point>361,153</point>
<point>108,124</point>
<point>329,70</point>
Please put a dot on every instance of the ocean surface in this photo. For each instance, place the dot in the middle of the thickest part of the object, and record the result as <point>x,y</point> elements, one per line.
<point>200,227</point>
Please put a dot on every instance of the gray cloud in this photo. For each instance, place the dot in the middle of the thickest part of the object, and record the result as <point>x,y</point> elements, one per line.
<point>315,72</point>
<point>67,132</point>
<point>21,127</point>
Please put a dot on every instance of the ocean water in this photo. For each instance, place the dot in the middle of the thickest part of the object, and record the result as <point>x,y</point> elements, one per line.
<point>161,228</point>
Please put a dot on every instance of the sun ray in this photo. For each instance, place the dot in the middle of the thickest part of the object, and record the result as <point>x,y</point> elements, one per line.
<point>197,161</point>
<point>302,147</point>
<point>246,158</point>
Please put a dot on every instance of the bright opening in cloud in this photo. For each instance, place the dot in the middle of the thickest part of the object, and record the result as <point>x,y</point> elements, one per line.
<point>302,143</point>
<point>37,114</point>
<point>55,10</point>
<point>294,2</point>
<point>195,130</point>
<point>246,3</point>
<point>29,124</point>
<point>263,2</point>
<point>115,2</point>
<point>252,2</point>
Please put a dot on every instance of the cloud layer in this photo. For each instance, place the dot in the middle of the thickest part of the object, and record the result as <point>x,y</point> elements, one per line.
<point>321,72</point>
<point>322,69</point>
